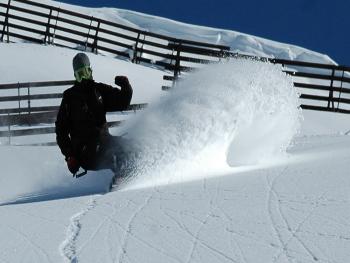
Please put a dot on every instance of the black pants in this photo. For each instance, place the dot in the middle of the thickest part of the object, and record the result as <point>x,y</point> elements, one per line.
<point>113,152</point>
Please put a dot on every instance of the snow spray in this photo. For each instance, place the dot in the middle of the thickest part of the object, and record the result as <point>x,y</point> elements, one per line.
<point>236,113</point>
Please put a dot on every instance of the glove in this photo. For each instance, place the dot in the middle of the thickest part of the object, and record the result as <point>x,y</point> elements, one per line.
<point>121,80</point>
<point>73,164</point>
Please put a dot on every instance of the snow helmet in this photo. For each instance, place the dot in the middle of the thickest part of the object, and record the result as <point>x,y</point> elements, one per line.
<point>81,67</point>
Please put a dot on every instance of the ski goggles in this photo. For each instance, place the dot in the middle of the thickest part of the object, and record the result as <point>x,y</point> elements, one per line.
<point>83,73</point>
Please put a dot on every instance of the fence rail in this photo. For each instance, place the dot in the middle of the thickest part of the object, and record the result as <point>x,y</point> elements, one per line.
<point>30,117</point>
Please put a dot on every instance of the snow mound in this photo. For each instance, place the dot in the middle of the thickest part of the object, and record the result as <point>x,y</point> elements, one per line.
<point>230,114</point>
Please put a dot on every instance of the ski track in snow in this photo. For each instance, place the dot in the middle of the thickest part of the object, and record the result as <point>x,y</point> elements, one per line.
<point>68,246</point>
<point>285,250</point>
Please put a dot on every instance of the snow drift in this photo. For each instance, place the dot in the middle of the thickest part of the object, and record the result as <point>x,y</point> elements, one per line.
<point>229,114</point>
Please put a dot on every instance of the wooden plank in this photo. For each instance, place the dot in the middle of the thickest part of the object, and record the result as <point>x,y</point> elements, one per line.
<point>54,8</point>
<point>24,132</point>
<point>320,108</point>
<point>32,97</point>
<point>323,98</point>
<point>68,39</point>
<point>27,38</point>
<point>37,84</point>
<point>67,30</point>
<point>32,109</point>
<point>154,44</point>
<point>28,119</point>
<point>309,64</point>
<point>174,57</point>
<point>34,4</point>
<point>29,11</point>
<point>41,131</point>
<point>37,144</point>
<point>320,87</point>
<point>73,22</point>
<point>117,34</point>
<point>113,42</point>
<point>27,29</point>
<point>113,51</point>
<point>318,76</point>
<point>27,20</point>
<point>314,97</point>
<point>196,50</point>
<point>155,53</point>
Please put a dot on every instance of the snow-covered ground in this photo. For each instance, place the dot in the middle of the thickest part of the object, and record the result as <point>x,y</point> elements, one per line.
<point>231,171</point>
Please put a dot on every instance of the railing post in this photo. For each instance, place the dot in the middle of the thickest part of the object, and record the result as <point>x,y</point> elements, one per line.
<point>177,69</point>
<point>9,128</point>
<point>330,97</point>
<point>95,45</point>
<point>88,34</point>
<point>6,22</point>
<point>341,89</point>
<point>134,58</point>
<point>29,106</point>
<point>47,34</point>
<point>19,98</point>
<point>55,27</point>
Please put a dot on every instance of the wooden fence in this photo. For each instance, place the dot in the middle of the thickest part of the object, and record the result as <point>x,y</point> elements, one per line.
<point>45,24</point>
<point>322,87</point>
<point>19,109</point>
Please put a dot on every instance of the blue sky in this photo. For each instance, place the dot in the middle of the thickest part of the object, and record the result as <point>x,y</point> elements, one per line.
<point>320,25</point>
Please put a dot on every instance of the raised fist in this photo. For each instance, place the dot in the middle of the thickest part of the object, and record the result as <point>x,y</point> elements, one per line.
<point>121,80</point>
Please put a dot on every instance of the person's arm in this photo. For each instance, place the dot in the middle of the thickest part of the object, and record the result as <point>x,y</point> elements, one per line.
<point>62,129</point>
<point>117,99</point>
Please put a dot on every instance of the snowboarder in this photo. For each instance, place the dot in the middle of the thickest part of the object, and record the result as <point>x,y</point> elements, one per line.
<point>81,127</point>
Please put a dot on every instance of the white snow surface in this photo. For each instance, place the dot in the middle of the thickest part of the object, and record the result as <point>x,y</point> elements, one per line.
<point>231,171</point>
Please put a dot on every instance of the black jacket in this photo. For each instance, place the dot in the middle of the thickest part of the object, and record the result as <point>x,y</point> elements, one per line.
<point>81,119</point>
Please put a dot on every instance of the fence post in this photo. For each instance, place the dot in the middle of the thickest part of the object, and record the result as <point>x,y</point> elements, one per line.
<point>6,22</point>
<point>88,34</point>
<point>134,58</point>
<point>94,45</point>
<point>9,128</point>
<point>55,27</point>
<point>330,97</point>
<point>341,89</point>
<point>19,98</point>
<point>29,106</point>
<point>47,34</point>
<point>177,69</point>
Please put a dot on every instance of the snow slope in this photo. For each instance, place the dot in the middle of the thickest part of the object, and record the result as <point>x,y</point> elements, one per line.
<point>194,197</point>
<point>286,208</point>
